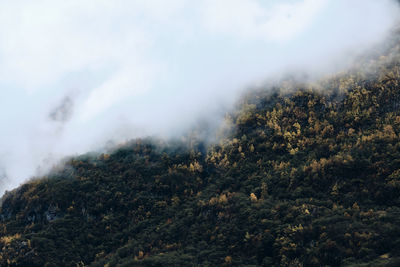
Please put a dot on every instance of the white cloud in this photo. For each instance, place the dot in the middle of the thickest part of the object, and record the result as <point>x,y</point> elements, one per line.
<point>270,21</point>
<point>126,83</point>
<point>153,66</point>
<point>46,40</point>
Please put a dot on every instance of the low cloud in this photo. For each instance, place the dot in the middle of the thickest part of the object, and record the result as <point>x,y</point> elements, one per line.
<point>63,112</point>
<point>152,67</point>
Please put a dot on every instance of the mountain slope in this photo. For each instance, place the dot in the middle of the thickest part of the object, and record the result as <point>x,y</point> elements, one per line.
<point>307,175</point>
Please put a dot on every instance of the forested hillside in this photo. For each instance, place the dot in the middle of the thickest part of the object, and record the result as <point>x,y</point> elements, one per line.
<point>305,174</point>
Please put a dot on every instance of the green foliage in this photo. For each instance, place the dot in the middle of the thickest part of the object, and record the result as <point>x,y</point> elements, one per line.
<point>305,177</point>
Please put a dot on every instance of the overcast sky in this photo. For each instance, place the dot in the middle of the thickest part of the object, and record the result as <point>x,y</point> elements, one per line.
<point>76,73</point>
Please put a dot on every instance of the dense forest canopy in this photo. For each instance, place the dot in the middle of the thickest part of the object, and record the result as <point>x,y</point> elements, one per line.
<point>303,174</point>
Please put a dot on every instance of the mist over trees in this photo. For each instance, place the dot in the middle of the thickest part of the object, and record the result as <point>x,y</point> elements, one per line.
<point>76,74</point>
<point>305,174</point>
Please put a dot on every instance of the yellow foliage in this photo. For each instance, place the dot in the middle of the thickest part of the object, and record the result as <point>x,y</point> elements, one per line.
<point>253,197</point>
<point>281,165</point>
<point>141,254</point>
<point>251,148</point>
<point>385,256</point>
<point>297,126</point>
<point>335,189</point>
<point>195,167</point>
<point>223,199</point>
<point>213,201</point>
<point>293,151</point>
<point>175,200</point>
<point>224,162</point>
<point>8,239</point>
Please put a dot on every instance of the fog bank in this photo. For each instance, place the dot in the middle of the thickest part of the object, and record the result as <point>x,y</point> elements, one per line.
<point>76,74</point>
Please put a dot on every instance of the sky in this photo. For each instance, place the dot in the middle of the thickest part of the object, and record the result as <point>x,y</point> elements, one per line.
<point>76,74</point>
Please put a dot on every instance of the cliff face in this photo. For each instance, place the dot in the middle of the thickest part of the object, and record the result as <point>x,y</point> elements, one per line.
<point>306,175</point>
